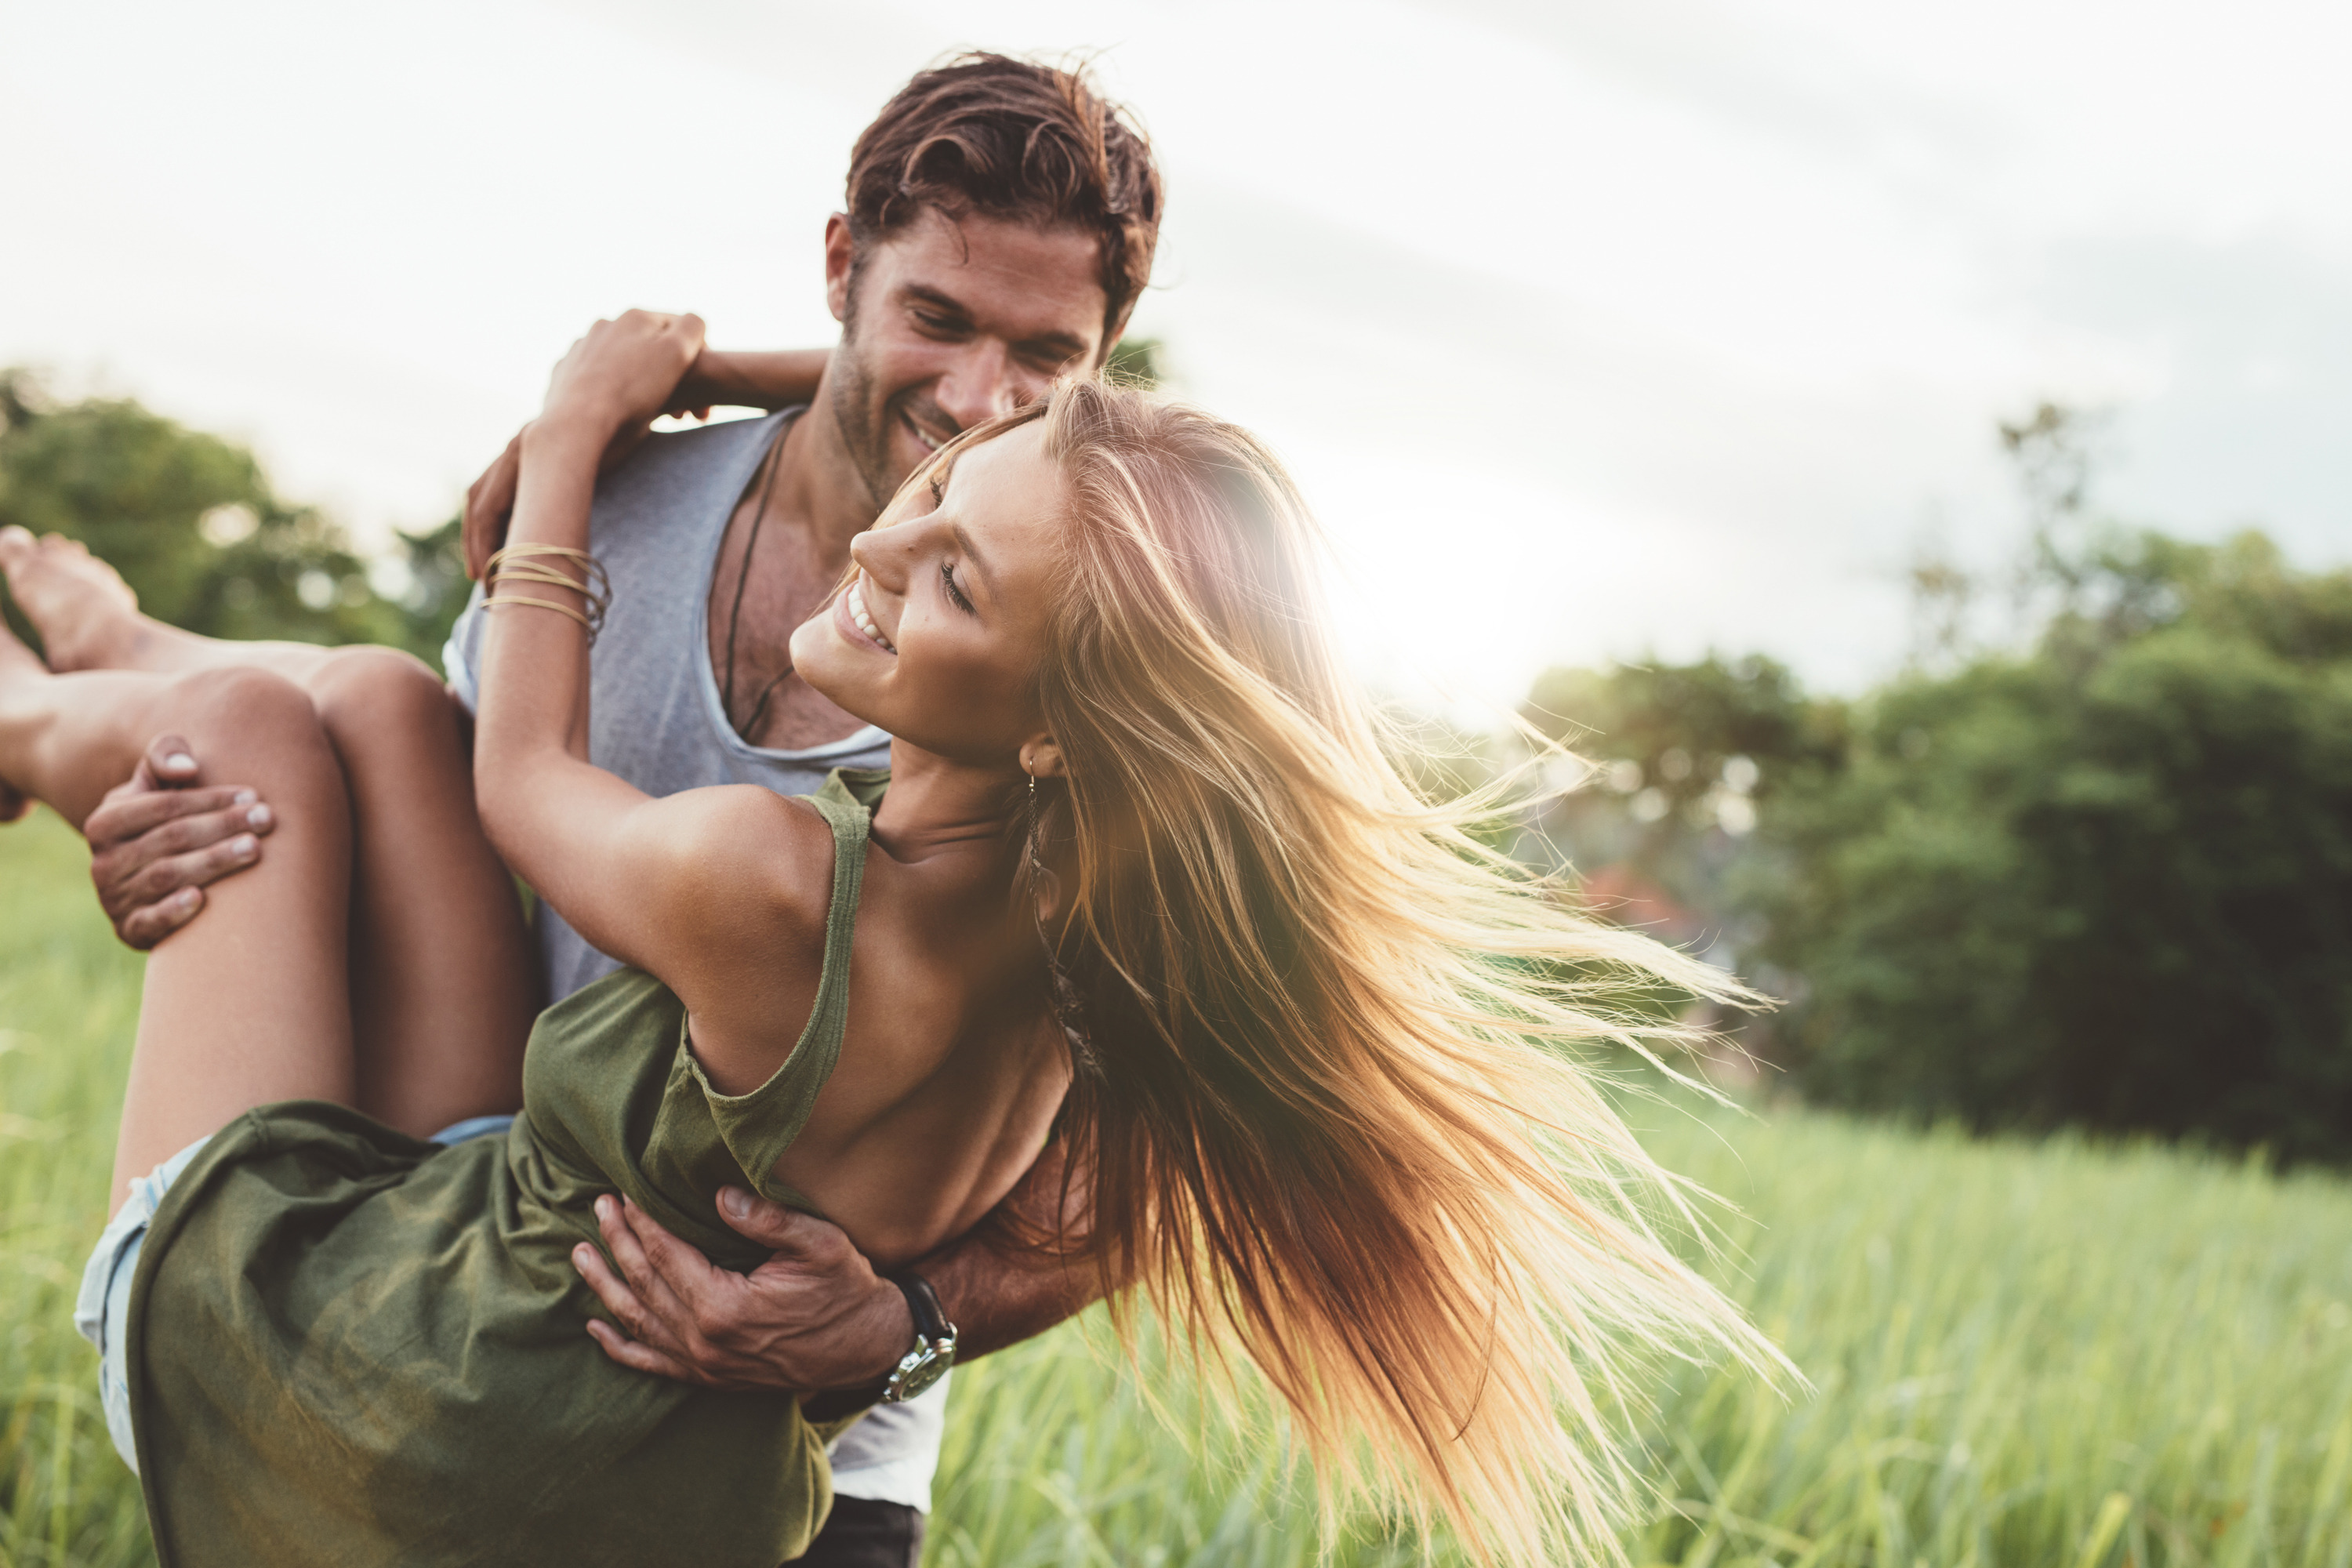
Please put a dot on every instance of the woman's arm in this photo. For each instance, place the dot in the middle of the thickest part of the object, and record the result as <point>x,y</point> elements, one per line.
<point>676,886</point>
<point>771,379</point>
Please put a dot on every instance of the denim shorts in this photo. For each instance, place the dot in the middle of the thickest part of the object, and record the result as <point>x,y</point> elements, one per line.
<point>105,1296</point>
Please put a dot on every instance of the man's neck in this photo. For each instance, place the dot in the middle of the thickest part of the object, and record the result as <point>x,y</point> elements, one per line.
<point>819,485</point>
<point>797,537</point>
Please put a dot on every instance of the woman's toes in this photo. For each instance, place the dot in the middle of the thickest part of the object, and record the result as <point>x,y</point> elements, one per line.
<point>81,605</point>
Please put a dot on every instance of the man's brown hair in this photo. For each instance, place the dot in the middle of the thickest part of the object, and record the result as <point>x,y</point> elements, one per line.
<point>1012,139</point>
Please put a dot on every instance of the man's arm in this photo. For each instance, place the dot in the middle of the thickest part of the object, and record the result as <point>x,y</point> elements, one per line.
<point>998,1291</point>
<point>815,1316</point>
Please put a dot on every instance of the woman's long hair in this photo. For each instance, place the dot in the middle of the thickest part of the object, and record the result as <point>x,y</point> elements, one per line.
<point>1332,1114</point>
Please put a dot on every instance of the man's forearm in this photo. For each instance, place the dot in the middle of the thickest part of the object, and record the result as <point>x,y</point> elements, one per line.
<point>998,1292</point>
<point>776,378</point>
<point>997,1299</point>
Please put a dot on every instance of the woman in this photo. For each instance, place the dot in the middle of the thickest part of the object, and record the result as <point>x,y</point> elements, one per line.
<point>1142,862</point>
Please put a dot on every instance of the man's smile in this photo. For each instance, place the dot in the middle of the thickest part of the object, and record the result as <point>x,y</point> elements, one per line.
<point>929,442</point>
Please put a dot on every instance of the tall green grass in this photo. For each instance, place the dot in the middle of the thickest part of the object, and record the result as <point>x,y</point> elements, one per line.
<point>2058,1355</point>
<point>68,999</point>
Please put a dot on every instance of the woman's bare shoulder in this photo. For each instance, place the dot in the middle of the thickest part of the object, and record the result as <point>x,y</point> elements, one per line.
<point>745,860</point>
<point>748,881</point>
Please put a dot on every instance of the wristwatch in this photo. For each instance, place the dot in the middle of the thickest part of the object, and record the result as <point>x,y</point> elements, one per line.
<point>935,1341</point>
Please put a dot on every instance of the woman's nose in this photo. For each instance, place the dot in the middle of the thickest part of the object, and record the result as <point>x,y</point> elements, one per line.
<point>886,554</point>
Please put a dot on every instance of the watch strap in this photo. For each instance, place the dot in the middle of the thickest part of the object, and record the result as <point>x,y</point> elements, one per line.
<point>931,1326</point>
<point>923,1303</point>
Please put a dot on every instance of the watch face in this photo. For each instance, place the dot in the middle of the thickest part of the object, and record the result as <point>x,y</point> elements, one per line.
<point>929,1368</point>
<point>918,1370</point>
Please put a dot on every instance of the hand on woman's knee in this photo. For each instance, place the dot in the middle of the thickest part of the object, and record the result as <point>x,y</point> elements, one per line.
<point>161,837</point>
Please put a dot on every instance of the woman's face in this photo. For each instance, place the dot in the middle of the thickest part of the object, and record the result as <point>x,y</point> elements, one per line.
<point>937,639</point>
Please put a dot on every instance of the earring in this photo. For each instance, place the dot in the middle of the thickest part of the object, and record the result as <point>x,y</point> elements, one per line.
<point>1068,1012</point>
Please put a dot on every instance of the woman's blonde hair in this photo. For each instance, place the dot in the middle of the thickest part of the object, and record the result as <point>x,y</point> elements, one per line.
<point>1332,1114</point>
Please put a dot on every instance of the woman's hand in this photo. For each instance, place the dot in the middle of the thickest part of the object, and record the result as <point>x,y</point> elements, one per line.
<point>770,379</point>
<point>615,380</point>
<point>622,375</point>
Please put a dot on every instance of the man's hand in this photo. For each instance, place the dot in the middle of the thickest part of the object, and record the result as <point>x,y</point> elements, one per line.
<point>157,841</point>
<point>814,1316</point>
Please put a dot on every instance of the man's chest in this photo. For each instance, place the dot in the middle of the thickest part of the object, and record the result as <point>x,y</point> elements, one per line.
<point>770,575</point>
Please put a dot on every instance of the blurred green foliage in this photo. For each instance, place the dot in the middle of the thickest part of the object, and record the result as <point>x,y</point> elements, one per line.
<point>2106,881</point>
<point>192,525</point>
<point>2100,875</point>
<point>1689,756</point>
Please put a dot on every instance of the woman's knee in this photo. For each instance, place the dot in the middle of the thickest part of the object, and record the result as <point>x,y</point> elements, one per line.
<point>250,726</point>
<point>370,698</point>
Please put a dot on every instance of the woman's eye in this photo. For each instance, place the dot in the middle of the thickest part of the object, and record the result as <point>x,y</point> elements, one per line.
<point>955,594</point>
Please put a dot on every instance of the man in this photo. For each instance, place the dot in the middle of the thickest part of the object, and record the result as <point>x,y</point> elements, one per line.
<point>1000,222</point>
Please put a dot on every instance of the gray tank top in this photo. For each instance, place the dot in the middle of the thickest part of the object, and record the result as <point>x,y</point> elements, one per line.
<point>655,716</point>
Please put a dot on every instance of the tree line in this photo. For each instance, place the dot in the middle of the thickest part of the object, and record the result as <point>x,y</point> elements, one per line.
<point>2096,871</point>
<point>193,526</point>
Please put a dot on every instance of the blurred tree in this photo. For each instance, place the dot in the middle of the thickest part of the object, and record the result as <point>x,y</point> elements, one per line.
<point>193,527</point>
<point>1686,757</point>
<point>2099,876</point>
<point>2106,880</point>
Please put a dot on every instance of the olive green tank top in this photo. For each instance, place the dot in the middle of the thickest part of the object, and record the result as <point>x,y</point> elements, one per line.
<point>348,1346</point>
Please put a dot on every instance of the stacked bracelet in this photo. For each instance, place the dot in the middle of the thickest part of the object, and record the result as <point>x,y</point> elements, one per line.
<point>512,565</point>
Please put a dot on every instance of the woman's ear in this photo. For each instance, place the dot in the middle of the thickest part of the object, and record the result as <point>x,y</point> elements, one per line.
<point>1042,759</point>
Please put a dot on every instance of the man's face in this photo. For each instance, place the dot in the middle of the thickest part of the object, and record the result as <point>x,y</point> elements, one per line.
<point>953,323</point>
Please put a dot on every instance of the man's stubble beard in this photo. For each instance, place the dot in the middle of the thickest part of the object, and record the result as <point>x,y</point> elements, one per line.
<point>865,428</point>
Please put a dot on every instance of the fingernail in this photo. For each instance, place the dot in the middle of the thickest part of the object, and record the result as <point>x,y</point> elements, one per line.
<point>580,1256</point>
<point>179,761</point>
<point>603,1208</point>
<point>258,816</point>
<point>244,798</point>
<point>735,1201</point>
<point>186,898</point>
<point>243,845</point>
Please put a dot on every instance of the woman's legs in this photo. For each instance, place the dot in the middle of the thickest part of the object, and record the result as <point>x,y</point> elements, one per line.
<point>249,1004</point>
<point>442,981</point>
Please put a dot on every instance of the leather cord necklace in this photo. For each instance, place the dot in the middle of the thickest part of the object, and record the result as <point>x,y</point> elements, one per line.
<point>750,726</point>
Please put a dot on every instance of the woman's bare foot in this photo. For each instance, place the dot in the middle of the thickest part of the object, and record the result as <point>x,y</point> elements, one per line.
<point>19,665</point>
<point>87,614</point>
<point>88,619</point>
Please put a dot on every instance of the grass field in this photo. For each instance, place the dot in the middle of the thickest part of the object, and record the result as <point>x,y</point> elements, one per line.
<point>2020,1356</point>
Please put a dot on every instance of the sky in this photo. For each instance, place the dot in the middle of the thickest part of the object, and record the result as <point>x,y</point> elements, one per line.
<point>1612,331</point>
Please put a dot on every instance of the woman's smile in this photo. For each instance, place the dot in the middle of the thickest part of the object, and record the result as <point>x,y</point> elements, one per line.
<point>857,621</point>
